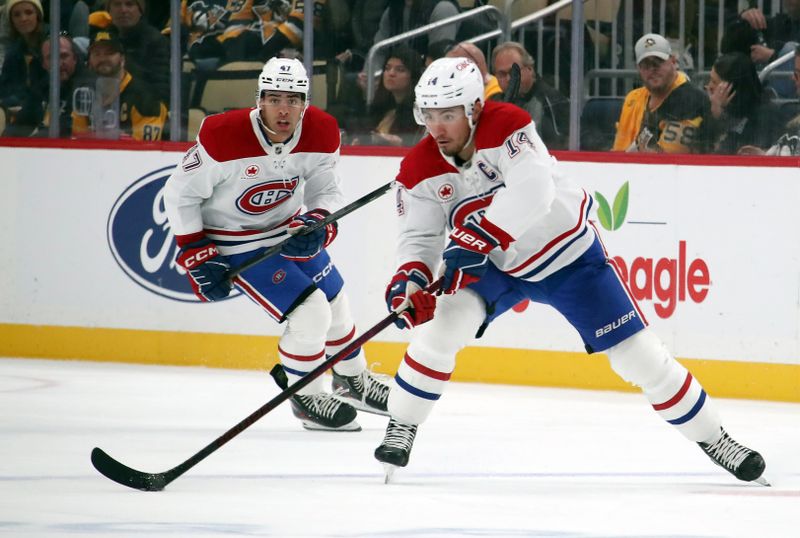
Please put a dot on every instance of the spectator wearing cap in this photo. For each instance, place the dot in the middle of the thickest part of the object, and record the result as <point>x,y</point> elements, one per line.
<point>666,114</point>
<point>22,69</point>
<point>142,115</point>
<point>146,50</point>
<point>548,108</point>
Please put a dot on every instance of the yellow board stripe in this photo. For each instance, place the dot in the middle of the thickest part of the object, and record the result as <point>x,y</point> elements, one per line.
<point>726,379</point>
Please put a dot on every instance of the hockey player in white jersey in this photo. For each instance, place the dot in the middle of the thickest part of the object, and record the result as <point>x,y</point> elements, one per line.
<point>483,195</point>
<point>254,175</point>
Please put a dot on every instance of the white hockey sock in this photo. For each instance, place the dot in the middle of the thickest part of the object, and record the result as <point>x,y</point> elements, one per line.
<point>340,334</point>
<point>674,394</point>
<point>302,346</point>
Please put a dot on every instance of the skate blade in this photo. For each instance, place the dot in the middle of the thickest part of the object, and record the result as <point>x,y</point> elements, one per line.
<point>763,481</point>
<point>361,406</point>
<point>388,472</point>
<point>313,426</point>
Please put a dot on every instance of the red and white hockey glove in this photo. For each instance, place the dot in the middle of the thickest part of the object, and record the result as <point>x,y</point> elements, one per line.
<point>466,257</point>
<point>406,294</point>
<point>206,268</point>
<point>305,245</point>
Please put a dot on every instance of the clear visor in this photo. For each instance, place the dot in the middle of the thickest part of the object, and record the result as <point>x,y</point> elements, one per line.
<point>439,116</point>
<point>287,101</point>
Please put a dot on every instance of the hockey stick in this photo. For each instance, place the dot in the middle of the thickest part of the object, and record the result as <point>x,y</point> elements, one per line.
<point>513,84</point>
<point>127,476</point>
<point>336,215</point>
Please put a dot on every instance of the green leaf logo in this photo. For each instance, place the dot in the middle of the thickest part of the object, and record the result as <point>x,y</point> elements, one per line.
<point>608,219</point>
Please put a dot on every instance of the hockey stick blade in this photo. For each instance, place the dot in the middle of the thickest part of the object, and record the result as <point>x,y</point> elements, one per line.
<point>122,474</point>
<point>333,217</point>
<point>129,477</point>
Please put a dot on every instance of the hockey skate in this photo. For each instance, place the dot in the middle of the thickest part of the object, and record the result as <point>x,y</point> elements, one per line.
<point>321,411</point>
<point>364,391</point>
<point>396,447</point>
<point>743,463</point>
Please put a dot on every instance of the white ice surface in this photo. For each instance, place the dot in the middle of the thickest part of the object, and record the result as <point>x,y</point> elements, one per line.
<point>491,461</point>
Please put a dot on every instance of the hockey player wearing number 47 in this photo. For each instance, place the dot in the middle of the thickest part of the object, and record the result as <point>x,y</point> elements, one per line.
<point>484,187</point>
<point>241,189</point>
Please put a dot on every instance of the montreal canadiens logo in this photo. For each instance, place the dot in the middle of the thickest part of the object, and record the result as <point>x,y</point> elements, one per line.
<point>445,192</point>
<point>279,276</point>
<point>261,198</point>
<point>141,240</point>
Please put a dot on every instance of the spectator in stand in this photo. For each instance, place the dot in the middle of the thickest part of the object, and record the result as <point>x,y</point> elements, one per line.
<point>141,115</point>
<point>219,31</point>
<point>391,116</point>
<point>146,50</point>
<point>766,39</point>
<point>741,113</point>
<point>22,73</point>
<point>465,49</point>
<point>788,142</point>
<point>76,92</point>
<point>403,15</point>
<point>548,108</point>
<point>666,114</point>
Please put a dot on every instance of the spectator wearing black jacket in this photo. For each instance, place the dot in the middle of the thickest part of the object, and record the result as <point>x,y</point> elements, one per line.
<point>741,113</point>
<point>548,108</point>
<point>146,50</point>
<point>22,68</point>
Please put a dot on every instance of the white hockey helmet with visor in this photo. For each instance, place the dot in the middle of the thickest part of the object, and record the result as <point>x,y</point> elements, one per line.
<point>446,83</point>
<point>283,75</point>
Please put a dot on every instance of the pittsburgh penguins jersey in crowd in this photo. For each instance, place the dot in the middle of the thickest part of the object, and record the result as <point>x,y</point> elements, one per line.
<point>142,115</point>
<point>511,179</point>
<point>242,190</point>
<point>676,126</point>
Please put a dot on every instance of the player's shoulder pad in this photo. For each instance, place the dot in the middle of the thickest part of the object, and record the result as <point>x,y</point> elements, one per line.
<point>496,123</point>
<point>229,136</point>
<point>422,162</point>
<point>320,132</point>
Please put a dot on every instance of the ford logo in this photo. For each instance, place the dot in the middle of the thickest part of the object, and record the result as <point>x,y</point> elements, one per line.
<point>142,242</point>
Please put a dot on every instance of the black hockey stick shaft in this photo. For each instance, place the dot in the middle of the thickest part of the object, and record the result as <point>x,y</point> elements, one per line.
<point>513,84</point>
<point>333,217</point>
<point>127,476</point>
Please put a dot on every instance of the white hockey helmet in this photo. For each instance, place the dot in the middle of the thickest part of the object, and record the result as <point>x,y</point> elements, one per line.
<point>283,75</point>
<point>449,82</point>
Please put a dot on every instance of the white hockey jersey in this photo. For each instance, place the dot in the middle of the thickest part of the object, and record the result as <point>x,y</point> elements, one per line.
<point>511,179</point>
<point>242,190</point>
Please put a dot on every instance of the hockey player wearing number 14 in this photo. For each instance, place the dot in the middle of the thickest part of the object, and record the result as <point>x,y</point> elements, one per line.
<point>241,189</point>
<point>483,195</point>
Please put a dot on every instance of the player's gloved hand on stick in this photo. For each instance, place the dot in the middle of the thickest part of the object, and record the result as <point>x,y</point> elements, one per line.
<point>206,268</point>
<point>405,294</point>
<point>304,246</point>
<point>466,257</point>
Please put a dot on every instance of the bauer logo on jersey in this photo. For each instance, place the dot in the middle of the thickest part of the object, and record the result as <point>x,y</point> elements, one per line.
<point>141,239</point>
<point>261,198</point>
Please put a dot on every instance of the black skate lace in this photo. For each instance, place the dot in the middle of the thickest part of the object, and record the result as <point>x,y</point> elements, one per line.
<point>324,404</point>
<point>727,452</point>
<point>374,389</point>
<point>399,435</point>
